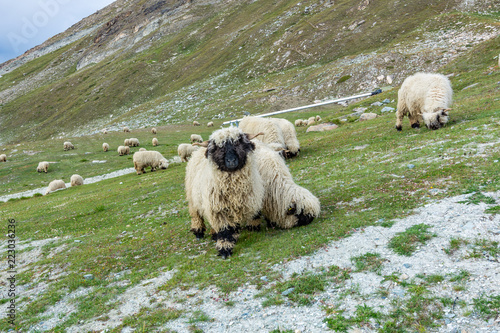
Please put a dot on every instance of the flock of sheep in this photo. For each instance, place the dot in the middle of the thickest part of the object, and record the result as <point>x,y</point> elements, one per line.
<point>239,175</point>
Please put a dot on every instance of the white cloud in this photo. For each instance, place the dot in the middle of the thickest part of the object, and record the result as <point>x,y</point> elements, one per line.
<point>27,23</point>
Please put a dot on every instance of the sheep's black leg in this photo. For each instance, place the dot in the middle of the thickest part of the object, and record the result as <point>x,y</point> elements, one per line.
<point>226,239</point>
<point>197,224</point>
<point>199,233</point>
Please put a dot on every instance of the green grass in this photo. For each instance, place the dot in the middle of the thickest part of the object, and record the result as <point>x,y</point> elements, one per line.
<point>368,262</point>
<point>487,306</point>
<point>406,242</point>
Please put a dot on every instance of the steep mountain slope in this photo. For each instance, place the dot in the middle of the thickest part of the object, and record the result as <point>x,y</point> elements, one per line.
<point>155,62</point>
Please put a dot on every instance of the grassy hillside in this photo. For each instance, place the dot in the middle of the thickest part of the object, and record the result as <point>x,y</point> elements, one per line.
<point>129,229</point>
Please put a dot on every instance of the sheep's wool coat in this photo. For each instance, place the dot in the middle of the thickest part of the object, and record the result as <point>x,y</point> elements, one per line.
<point>55,185</point>
<point>76,180</point>
<point>43,166</point>
<point>225,199</point>
<point>185,150</point>
<point>150,158</point>
<point>273,134</point>
<point>281,192</point>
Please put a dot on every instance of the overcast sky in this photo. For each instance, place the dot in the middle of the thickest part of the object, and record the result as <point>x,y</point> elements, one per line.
<point>27,23</point>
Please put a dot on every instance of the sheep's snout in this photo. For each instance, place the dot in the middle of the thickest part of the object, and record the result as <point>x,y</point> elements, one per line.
<point>231,159</point>
<point>304,219</point>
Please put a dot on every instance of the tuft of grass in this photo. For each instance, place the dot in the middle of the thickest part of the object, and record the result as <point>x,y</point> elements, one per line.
<point>478,197</point>
<point>487,306</point>
<point>493,210</point>
<point>199,316</point>
<point>361,317</point>
<point>369,262</point>
<point>405,243</point>
<point>455,244</point>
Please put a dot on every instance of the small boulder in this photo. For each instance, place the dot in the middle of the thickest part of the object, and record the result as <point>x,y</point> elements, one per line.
<point>367,116</point>
<point>322,127</point>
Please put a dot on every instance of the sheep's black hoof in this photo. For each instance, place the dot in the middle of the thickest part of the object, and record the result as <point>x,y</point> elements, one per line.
<point>199,233</point>
<point>225,253</point>
<point>399,128</point>
<point>416,125</point>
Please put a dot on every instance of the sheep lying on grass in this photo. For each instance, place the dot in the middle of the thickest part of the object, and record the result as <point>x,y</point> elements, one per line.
<point>424,96</point>
<point>123,150</point>
<point>289,135</point>
<point>185,150</point>
<point>155,142</point>
<point>286,204</point>
<point>76,180</point>
<point>151,158</point>
<point>153,130</point>
<point>196,138</point>
<point>55,185</point>
<point>3,158</point>
<point>223,186</point>
<point>105,147</point>
<point>68,145</point>
<point>43,167</point>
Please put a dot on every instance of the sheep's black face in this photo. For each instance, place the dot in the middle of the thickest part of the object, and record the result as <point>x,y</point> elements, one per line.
<point>302,219</point>
<point>232,156</point>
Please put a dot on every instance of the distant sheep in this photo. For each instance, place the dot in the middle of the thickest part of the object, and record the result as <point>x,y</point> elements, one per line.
<point>104,131</point>
<point>300,122</point>
<point>68,145</point>
<point>126,142</point>
<point>210,124</point>
<point>133,142</point>
<point>273,135</point>
<point>153,130</point>
<point>311,121</point>
<point>126,129</point>
<point>3,158</point>
<point>142,149</point>
<point>76,180</point>
<point>185,150</point>
<point>223,186</point>
<point>318,118</point>
<point>151,158</point>
<point>55,185</point>
<point>196,138</point>
<point>155,142</point>
<point>292,145</point>
<point>105,147</point>
<point>43,167</point>
<point>195,123</point>
<point>123,150</point>
<point>286,204</point>
<point>424,96</point>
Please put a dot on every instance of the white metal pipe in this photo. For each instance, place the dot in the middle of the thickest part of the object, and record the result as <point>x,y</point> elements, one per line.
<point>308,106</point>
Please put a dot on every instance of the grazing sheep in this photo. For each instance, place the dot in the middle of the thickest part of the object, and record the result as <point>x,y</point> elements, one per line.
<point>185,150</point>
<point>126,129</point>
<point>153,130</point>
<point>424,96</point>
<point>223,186</point>
<point>126,142</point>
<point>286,204</point>
<point>155,142</point>
<point>3,158</point>
<point>299,122</point>
<point>133,142</point>
<point>311,121</point>
<point>42,167</point>
<point>142,149</point>
<point>273,135</point>
<point>105,147</point>
<point>151,158</point>
<point>289,135</point>
<point>68,145</point>
<point>196,138</point>
<point>55,185</point>
<point>210,124</point>
<point>104,131</point>
<point>195,123</point>
<point>318,118</point>
<point>123,150</point>
<point>76,180</point>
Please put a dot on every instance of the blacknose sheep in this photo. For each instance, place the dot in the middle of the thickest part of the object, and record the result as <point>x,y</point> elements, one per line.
<point>76,180</point>
<point>43,167</point>
<point>155,142</point>
<point>195,123</point>
<point>153,130</point>
<point>133,142</point>
<point>210,124</point>
<point>150,158</point>
<point>286,204</point>
<point>196,138</point>
<point>126,129</point>
<point>292,145</point>
<point>68,145</point>
<point>3,158</point>
<point>424,97</point>
<point>123,150</point>
<point>223,186</point>
<point>185,150</point>
<point>55,185</point>
<point>142,149</point>
<point>105,147</point>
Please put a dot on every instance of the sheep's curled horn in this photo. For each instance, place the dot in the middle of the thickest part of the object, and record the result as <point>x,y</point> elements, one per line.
<point>250,137</point>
